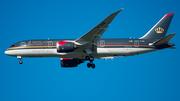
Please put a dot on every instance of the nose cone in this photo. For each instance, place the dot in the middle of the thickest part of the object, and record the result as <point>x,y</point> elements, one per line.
<point>10,53</point>
<point>7,52</point>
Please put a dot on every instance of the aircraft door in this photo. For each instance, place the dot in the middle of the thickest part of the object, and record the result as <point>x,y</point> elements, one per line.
<point>136,43</point>
<point>102,43</point>
<point>50,44</point>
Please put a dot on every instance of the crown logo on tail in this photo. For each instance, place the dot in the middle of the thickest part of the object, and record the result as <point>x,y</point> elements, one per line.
<point>159,30</point>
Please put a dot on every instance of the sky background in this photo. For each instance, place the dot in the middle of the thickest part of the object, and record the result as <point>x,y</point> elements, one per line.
<point>148,77</point>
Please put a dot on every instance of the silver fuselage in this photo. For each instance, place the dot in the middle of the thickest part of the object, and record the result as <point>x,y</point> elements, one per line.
<point>105,48</point>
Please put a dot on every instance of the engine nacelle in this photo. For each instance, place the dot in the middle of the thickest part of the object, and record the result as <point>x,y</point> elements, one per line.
<point>65,46</point>
<point>66,62</point>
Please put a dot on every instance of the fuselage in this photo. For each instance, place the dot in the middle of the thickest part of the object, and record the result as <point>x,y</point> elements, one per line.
<point>105,48</point>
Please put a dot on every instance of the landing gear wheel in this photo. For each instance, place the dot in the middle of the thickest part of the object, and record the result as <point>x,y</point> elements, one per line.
<point>20,62</point>
<point>91,59</point>
<point>93,66</point>
<point>89,65</point>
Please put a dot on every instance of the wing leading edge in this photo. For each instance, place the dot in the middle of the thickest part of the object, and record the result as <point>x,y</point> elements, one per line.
<point>90,39</point>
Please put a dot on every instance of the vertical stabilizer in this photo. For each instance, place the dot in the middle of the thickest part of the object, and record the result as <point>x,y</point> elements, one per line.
<point>159,30</point>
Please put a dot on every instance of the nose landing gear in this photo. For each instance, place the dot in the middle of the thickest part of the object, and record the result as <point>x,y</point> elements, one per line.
<point>19,57</point>
<point>20,62</point>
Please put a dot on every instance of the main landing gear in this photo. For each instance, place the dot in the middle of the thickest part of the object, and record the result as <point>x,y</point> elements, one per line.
<point>19,57</point>
<point>91,59</point>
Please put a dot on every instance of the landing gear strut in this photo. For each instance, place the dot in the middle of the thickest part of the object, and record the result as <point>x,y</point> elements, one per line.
<point>19,57</point>
<point>91,59</point>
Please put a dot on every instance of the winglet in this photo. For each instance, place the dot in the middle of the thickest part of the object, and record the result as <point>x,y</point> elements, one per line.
<point>120,9</point>
<point>117,11</point>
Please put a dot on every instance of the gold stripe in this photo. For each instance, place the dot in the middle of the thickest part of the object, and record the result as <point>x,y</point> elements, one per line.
<point>55,46</point>
<point>31,47</point>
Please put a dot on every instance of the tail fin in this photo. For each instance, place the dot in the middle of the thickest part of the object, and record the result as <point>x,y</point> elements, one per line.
<point>159,30</point>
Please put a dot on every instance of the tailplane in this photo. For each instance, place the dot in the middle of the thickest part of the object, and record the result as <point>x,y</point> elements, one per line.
<point>163,42</point>
<point>159,30</point>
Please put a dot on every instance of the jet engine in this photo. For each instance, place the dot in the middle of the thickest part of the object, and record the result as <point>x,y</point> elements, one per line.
<point>66,62</point>
<point>65,46</point>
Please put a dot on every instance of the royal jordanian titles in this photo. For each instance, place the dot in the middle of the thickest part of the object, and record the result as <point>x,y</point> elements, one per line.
<point>89,46</point>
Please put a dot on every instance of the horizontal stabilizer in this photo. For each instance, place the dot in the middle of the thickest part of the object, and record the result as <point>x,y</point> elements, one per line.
<point>164,40</point>
<point>172,47</point>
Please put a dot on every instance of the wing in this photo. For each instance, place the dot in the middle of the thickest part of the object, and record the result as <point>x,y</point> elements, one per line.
<point>90,39</point>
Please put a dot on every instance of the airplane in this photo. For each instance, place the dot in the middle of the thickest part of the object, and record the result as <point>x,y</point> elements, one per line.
<point>73,52</point>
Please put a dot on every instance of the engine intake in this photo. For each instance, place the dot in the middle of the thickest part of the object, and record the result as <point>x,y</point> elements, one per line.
<point>65,46</point>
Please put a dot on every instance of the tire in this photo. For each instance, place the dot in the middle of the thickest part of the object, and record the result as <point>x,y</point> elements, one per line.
<point>87,57</point>
<point>88,65</point>
<point>93,66</point>
<point>20,62</point>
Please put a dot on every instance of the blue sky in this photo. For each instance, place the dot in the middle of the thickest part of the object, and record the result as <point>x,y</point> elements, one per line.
<point>147,77</point>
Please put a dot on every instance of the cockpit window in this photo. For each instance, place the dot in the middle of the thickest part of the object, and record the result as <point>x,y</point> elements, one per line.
<point>12,45</point>
<point>23,44</point>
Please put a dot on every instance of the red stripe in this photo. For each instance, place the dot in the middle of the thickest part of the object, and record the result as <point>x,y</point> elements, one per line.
<point>168,15</point>
<point>62,43</point>
<point>65,58</point>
